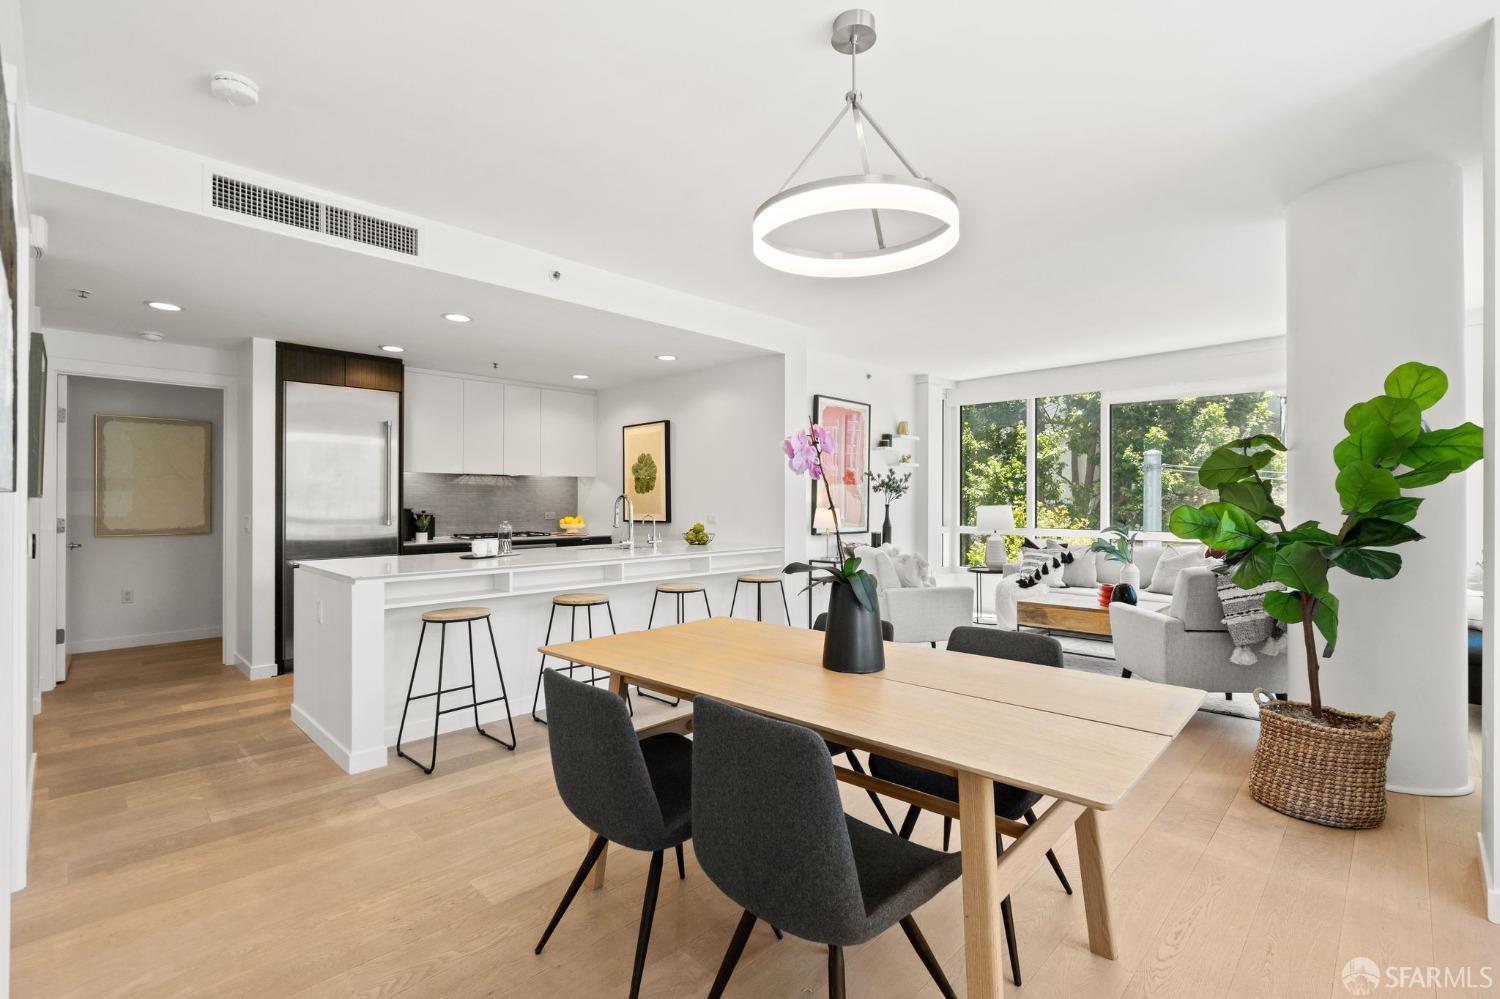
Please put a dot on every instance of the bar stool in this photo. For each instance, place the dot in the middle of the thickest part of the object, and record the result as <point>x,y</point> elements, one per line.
<point>681,591</point>
<point>443,618</point>
<point>758,580</point>
<point>573,601</point>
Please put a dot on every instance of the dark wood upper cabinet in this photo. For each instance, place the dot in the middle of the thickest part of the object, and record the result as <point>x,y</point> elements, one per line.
<point>372,373</point>
<point>321,366</point>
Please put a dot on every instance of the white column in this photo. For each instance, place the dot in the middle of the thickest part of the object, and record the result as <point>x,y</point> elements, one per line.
<point>928,494</point>
<point>1489,812</point>
<point>1374,279</point>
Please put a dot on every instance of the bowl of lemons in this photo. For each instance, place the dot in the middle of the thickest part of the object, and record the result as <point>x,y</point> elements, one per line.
<point>696,535</point>
<point>572,525</point>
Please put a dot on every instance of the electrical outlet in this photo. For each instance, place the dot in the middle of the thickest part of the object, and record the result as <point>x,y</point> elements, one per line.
<point>549,514</point>
<point>710,520</point>
<point>127,596</point>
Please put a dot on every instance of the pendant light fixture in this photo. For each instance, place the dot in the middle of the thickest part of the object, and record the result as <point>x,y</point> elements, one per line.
<point>853,33</point>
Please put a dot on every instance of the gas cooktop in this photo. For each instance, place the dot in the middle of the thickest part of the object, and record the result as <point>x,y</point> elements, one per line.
<point>493,534</point>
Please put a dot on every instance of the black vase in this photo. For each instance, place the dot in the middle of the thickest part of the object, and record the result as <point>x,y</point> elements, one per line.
<point>1123,593</point>
<point>853,642</point>
<point>885,531</point>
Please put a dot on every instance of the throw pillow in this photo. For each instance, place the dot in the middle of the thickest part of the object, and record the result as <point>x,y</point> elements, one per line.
<point>1174,559</point>
<point>1083,569</point>
<point>1107,570</point>
<point>908,568</point>
<point>878,564</point>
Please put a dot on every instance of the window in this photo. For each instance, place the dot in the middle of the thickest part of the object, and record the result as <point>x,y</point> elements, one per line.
<point>1068,461</point>
<point>991,464</point>
<point>1156,448</point>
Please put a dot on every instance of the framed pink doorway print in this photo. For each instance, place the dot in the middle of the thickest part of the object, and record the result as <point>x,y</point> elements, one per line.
<point>847,465</point>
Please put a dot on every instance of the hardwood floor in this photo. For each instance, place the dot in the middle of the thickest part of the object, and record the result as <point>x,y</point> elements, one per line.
<point>189,841</point>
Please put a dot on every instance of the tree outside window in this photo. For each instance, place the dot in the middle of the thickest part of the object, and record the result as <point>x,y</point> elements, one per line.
<point>992,464</point>
<point>1068,461</point>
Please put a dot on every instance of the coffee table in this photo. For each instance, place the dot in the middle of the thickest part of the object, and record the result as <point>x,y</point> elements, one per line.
<point>1079,618</point>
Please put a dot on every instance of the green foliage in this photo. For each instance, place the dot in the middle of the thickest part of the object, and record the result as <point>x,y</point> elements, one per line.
<point>848,574</point>
<point>1387,450</point>
<point>1118,544</point>
<point>643,474</point>
<point>892,485</point>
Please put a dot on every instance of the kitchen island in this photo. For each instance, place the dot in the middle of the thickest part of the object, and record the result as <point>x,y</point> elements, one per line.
<point>356,623</point>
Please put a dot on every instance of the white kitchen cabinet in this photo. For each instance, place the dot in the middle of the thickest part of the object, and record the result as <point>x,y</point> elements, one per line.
<point>433,424</point>
<point>485,427</point>
<point>523,430</point>
<point>569,439</point>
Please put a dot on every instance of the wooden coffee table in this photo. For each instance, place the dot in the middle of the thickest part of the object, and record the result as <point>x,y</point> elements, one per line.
<point>1080,618</point>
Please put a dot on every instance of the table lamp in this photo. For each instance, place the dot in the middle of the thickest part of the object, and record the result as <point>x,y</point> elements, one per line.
<point>999,522</point>
<point>823,524</point>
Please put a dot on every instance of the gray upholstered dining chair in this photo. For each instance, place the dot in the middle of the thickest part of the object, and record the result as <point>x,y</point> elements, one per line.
<point>887,633</point>
<point>1015,803</point>
<point>771,833</point>
<point>634,792</point>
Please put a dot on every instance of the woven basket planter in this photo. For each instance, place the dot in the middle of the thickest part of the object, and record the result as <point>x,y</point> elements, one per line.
<point>1330,773</point>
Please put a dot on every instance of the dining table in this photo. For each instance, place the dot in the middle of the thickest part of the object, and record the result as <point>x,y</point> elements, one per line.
<point>1082,739</point>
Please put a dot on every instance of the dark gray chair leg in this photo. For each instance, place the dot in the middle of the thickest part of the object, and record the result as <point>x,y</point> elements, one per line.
<point>910,822</point>
<point>1009,919</point>
<point>947,831</point>
<point>858,768</point>
<point>836,973</point>
<point>648,910</point>
<point>1051,857</point>
<point>919,944</point>
<point>1125,673</point>
<point>589,859</point>
<point>681,870</point>
<point>732,955</point>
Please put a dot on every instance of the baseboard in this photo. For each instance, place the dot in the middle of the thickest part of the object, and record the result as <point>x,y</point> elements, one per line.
<point>251,671</point>
<point>135,641</point>
<point>1433,792</point>
<point>352,763</point>
<point>1491,886</point>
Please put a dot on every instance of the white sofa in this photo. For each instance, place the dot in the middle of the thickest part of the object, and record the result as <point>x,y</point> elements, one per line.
<point>1054,590</point>
<point>918,609</point>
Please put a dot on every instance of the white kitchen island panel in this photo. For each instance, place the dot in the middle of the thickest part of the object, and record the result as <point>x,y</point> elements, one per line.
<point>358,621</point>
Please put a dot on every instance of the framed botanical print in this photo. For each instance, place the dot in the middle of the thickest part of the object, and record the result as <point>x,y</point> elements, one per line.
<point>647,469</point>
<point>846,466</point>
<point>152,476</point>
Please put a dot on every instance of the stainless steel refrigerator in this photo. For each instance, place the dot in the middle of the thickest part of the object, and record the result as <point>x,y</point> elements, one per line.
<point>340,475</point>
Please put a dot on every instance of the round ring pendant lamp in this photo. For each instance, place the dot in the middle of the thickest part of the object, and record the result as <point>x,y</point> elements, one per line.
<point>853,33</point>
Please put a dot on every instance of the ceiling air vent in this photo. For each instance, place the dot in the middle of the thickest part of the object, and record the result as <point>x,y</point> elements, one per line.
<point>304,213</point>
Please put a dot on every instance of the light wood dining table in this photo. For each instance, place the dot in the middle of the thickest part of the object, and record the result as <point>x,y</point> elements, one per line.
<point>1082,739</point>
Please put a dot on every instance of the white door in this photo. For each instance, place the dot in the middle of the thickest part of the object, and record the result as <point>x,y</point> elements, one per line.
<point>60,503</point>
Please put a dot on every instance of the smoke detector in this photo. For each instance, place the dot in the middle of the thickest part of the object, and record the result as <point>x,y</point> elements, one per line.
<point>237,89</point>
<point>152,336</point>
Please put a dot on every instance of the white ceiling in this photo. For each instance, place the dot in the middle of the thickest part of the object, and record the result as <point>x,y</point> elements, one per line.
<point>235,282</point>
<point>1122,167</point>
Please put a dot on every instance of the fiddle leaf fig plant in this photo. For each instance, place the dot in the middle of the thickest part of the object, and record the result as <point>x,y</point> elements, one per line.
<point>1388,451</point>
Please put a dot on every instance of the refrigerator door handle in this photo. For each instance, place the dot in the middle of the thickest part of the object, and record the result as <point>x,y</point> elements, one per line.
<point>390,460</point>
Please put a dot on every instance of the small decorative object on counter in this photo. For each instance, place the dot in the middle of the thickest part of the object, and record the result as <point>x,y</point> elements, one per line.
<point>853,642</point>
<point>573,525</point>
<point>503,537</point>
<point>1106,594</point>
<point>697,535</point>
<point>892,485</point>
<point>1124,593</point>
<point>423,522</point>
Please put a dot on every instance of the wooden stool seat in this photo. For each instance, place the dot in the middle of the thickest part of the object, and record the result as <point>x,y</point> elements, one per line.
<point>580,599</point>
<point>450,615</point>
<point>765,578</point>
<point>759,580</point>
<point>679,587</point>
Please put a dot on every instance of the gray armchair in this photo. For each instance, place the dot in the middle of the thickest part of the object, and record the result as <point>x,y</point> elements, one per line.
<point>1187,644</point>
<point>918,613</point>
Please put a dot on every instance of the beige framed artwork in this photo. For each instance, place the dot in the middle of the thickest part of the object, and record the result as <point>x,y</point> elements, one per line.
<point>647,471</point>
<point>152,476</point>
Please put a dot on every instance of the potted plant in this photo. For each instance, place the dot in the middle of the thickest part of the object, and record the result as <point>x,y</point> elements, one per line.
<point>422,521</point>
<point>853,642</point>
<point>892,487</point>
<point>1314,762</point>
<point>1119,546</point>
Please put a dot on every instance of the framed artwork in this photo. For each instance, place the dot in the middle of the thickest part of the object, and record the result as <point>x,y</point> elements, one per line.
<point>152,476</point>
<point>847,465</point>
<point>647,468</point>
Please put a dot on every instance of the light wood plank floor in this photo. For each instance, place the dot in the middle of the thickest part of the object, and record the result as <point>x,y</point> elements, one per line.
<point>189,841</point>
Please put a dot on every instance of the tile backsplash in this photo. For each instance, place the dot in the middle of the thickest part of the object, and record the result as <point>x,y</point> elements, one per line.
<point>463,507</point>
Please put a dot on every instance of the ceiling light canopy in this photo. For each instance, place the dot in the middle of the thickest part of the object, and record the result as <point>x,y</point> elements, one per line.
<point>853,33</point>
<point>391,348</point>
<point>152,336</point>
<point>455,317</point>
<point>165,306</point>
<point>666,357</point>
<point>582,378</point>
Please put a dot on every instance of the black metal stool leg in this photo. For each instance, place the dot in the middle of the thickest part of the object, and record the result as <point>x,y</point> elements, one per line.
<point>536,697</point>
<point>437,706</point>
<point>411,684</point>
<point>643,691</point>
<point>736,598</point>
<point>784,605</point>
<point>503,698</point>
<point>709,610</point>
<point>652,619</point>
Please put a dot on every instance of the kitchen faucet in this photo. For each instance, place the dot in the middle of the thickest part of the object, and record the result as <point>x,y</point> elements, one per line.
<point>624,507</point>
<point>652,537</point>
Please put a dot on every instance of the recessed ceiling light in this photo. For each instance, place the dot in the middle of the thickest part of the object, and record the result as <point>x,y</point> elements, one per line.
<point>391,348</point>
<point>582,378</point>
<point>666,357</point>
<point>165,306</point>
<point>455,317</point>
<point>152,335</point>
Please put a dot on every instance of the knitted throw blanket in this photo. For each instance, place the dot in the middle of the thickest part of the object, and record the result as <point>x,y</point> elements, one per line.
<point>1248,622</point>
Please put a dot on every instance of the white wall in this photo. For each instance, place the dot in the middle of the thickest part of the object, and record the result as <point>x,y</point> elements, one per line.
<point>1374,279</point>
<point>175,582</point>
<point>727,469</point>
<point>1489,806</point>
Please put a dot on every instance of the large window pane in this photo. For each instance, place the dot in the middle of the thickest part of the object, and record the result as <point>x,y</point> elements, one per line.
<point>991,464</point>
<point>1156,448</point>
<point>1067,461</point>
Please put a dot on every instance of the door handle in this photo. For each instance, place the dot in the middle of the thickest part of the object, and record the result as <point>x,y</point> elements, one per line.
<point>74,544</point>
<point>390,473</point>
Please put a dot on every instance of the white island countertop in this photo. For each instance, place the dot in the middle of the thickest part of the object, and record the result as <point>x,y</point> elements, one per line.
<point>393,567</point>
